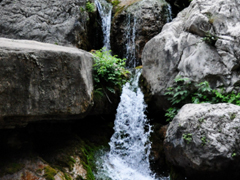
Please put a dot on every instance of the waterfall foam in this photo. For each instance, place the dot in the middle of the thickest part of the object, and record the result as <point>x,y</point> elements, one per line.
<point>105,12</point>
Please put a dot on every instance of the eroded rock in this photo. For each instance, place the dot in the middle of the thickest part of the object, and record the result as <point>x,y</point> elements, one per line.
<point>57,22</point>
<point>41,81</point>
<point>201,43</point>
<point>135,23</point>
<point>203,139</point>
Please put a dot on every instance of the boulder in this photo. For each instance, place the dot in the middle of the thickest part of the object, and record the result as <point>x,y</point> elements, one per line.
<point>204,140</point>
<point>40,81</point>
<point>134,23</point>
<point>57,22</point>
<point>201,43</point>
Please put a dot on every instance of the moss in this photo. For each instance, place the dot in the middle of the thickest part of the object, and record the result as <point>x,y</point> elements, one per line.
<point>49,173</point>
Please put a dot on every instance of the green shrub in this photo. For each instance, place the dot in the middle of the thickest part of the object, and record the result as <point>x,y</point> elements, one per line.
<point>185,91</point>
<point>109,72</point>
<point>90,7</point>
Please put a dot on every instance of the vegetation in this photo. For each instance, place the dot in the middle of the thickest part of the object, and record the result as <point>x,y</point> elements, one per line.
<point>185,91</point>
<point>49,173</point>
<point>187,138</point>
<point>210,38</point>
<point>109,72</point>
<point>115,2</point>
<point>90,7</point>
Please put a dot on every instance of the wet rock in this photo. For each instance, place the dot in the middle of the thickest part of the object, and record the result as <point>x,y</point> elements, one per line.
<point>41,81</point>
<point>57,22</point>
<point>135,23</point>
<point>203,140</point>
<point>178,5</point>
<point>201,43</point>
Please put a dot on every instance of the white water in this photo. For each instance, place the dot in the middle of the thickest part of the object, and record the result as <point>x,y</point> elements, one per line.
<point>128,158</point>
<point>130,34</point>
<point>105,11</point>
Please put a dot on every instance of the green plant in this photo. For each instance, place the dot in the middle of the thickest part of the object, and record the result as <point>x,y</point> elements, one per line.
<point>67,177</point>
<point>171,113</point>
<point>204,140</point>
<point>90,7</point>
<point>115,2</point>
<point>49,173</point>
<point>187,138</point>
<point>210,38</point>
<point>185,91</point>
<point>232,117</point>
<point>201,120</point>
<point>109,72</point>
<point>82,9</point>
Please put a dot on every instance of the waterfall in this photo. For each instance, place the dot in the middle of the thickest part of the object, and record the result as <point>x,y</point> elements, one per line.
<point>128,158</point>
<point>130,34</point>
<point>169,13</point>
<point>105,11</point>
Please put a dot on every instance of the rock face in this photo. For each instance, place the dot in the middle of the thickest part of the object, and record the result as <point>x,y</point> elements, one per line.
<point>43,81</point>
<point>135,23</point>
<point>57,21</point>
<point>201,43</point>
<point>204,138</point>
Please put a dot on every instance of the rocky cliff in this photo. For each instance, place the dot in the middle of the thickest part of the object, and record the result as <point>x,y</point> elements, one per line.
<point>201,43</point>
<point>57,22</point>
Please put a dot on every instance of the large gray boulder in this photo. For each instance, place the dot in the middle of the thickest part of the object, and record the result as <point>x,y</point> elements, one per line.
<point>56,21</point>
<point>40,81</point>
<point>134,24</point>
<point>201,43</point>
<point>204,139</point>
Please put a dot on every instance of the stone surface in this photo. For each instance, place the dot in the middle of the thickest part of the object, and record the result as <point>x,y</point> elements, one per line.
<point>41,81</point>
<point>180,49</point>
<point>214,136</point>
<point>56,21</point>
<point>134,23</point>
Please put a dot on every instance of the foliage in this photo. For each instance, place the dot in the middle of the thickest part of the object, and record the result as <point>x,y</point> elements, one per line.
<point>49,173</point>
<point>109,72</point>
<point>210,38</point>
<point>187,138</point>
<point>204,140</point>
<point>90,7</point>
<point>185,91</point>
<point>115,2</point>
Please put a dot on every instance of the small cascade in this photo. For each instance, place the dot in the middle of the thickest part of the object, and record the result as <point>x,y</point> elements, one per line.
<point>130,34</point>
<point>105,11</point>
<point>169,13</point>
<point>128,158</point>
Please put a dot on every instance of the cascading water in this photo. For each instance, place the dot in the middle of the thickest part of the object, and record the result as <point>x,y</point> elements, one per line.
<point>169,13</point>
<point>128,158</point>
<point>130,34</point>
<point>105,11</point>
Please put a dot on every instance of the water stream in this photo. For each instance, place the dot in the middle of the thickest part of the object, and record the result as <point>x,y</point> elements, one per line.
<point>105,11</point>
<point>128,158</point>
<point>169,13</point>
<point>130,34</point>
